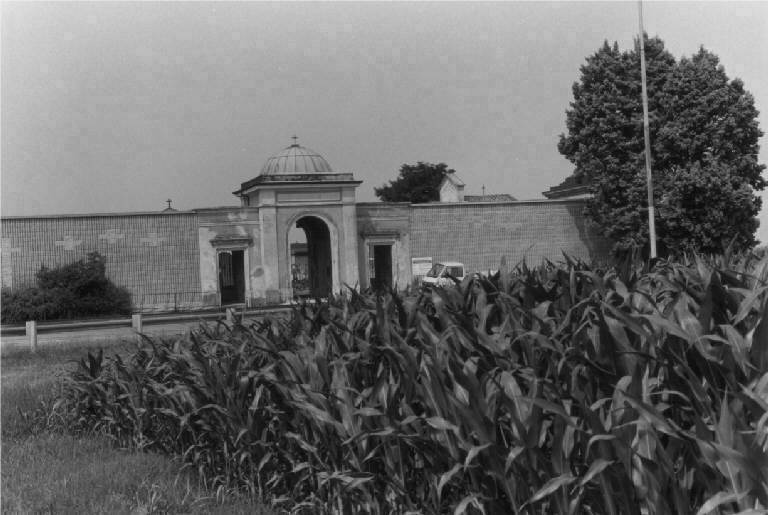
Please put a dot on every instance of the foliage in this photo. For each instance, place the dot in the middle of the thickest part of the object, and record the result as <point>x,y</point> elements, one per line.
<point>704,146</point>
<point>73,290</point>
<point>416,184</point>
<point>560,389</point>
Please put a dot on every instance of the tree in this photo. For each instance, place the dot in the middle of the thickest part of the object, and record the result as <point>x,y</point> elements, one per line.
<point>704,146</point>
<point>416,184</point>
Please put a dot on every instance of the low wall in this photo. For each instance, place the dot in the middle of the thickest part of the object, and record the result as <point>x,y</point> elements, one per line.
<point>157,256</point>
<point>154,255</point>
<point>478,234</point>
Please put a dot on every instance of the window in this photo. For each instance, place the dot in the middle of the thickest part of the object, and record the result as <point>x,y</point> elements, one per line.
<point>436,269</point>
<point>455,271</point>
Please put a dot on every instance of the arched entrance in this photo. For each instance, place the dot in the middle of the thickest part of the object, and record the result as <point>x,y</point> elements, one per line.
<point>312,262</point>
<point>298,192</point>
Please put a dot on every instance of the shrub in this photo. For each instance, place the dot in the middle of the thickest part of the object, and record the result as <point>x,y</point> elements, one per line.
<point>559,389</point>
<point>73,290</point>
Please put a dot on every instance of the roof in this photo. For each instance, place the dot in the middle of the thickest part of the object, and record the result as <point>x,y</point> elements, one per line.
<point>451,177</point>
<point>496,197</point>
<point>296,164</point>
<point>572,186</point>
<point>296,160</point>
<point>288,179</point>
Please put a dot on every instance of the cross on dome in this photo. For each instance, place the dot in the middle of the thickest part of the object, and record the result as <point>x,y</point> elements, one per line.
<point>296,160</point>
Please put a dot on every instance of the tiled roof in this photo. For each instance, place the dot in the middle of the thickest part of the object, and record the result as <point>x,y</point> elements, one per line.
<point>451,176</point>
<point>572,186</point>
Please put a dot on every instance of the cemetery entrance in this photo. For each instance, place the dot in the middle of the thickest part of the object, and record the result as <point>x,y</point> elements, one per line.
<point>318,256</point>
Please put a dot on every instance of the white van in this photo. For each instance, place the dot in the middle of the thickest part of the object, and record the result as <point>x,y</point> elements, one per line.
<point>439,274</point>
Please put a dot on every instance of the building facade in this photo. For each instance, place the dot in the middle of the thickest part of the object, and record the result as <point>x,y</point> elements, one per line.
<point>251,255</point>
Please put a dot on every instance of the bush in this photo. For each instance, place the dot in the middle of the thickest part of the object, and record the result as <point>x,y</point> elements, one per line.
<point>560,389</point>
<point>74,290</point>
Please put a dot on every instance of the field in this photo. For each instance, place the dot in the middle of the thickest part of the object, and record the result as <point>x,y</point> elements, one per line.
<point>47,470</point>
<point>556,389</point>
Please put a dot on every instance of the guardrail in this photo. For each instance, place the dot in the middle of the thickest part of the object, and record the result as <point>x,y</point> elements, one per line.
<point>173,302</point>
<point>138,321</point>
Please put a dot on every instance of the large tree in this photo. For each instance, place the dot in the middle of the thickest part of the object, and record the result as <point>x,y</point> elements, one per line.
<point>704,146</point>
<point>415,184</point>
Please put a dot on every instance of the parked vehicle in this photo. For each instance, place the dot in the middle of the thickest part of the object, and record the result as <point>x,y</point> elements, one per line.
<point>442,274</point>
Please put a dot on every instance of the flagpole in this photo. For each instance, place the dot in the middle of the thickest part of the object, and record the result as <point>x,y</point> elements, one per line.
<point>647,137</point>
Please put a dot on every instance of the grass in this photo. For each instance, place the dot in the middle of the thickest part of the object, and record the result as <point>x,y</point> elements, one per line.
<point>48,471</point>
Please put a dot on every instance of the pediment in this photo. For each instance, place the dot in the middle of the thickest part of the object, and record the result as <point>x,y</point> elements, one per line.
<point>230,242</point>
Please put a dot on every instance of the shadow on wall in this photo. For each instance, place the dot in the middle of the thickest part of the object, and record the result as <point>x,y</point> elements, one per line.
<point>597,246</point>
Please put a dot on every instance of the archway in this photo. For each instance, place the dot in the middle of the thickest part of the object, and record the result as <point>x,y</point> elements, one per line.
<point>311,260</point>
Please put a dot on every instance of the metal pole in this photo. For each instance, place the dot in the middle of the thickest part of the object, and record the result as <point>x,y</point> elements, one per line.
<point>137,322</point>
<point>647,137</point>
<point>31,327</point>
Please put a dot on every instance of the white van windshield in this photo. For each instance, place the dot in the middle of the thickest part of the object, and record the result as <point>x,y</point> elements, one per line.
<point>435,270</point>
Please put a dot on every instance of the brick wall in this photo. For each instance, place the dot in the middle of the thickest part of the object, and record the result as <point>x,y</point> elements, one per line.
<point>479,234</point>
<point>155,256</point>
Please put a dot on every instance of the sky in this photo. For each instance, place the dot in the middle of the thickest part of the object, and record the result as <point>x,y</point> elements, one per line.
<point>114,107</point>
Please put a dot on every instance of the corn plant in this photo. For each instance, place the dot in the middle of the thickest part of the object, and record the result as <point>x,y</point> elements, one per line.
<point>561,388</point>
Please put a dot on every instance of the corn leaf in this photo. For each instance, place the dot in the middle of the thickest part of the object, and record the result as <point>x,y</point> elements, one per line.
<point>719,499</point>
<point>551,486</point>
<point>597,467</point>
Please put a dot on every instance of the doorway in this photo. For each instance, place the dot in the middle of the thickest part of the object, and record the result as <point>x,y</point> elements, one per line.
<point>232,277</point>
<point>382,267</point>
<point>299,266</point>
<point>318,262</point>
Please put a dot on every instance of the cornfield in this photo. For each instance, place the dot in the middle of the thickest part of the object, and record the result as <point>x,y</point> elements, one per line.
<point>555,389</point>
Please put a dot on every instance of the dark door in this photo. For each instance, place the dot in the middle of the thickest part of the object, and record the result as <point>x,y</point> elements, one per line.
<point>232,277</point>
<point>318,255</point>
<point>382,267</point>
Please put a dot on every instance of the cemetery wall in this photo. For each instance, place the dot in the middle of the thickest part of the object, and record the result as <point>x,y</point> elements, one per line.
<point>154,255</point>
<point>478,234</point>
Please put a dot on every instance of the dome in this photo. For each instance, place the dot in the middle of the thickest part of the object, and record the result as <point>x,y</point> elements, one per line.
<point>296,160</point>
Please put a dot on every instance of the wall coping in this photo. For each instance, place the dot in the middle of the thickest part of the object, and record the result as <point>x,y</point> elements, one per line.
<point>195,211</point>
<point>135,213</point>
<point>225,209</point>
<point>497,203</point>
<point>379,204</point>
<point>92,215</point>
